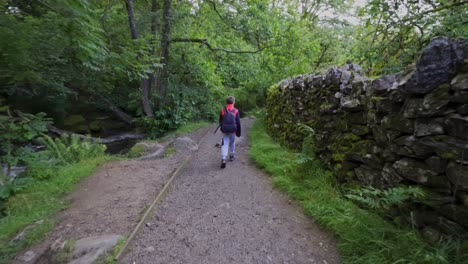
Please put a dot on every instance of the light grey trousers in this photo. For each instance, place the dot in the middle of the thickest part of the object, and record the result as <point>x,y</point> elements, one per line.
<point>228,144</point>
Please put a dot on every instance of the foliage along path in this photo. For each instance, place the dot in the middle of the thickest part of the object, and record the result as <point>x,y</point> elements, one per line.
<point>229,216</point>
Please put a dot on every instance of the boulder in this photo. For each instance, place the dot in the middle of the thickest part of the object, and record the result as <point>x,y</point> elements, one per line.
<point>145,148</point>
<point>435,101</point>
<point>458,175</point>
<point>446,147</point>
<point>449,227</point>
<point>368,175</point>
<point>431,235</point>
<point>359,130</point>
<point>345,82</point>
<point>463,197</point>
<point>333,77</point>
<point>74,120</point>
<point>427,127</point>
<point>457,126</point>
<point>358,118</point>
<point>456,213</point>
<point>387,106</point>
<point>460,82</point>
<point>460,97</point>
<point>411,147</point>
<point>349,66</point>
<point>360,149</point>
<point>349,104</point>
<point>414,170</point>
<point>88,249</point>
<point>463,109</point>
<point>183,144</point>
<point>390,176</point>
<point>382,85</point>
<point>413,108</point>
<point>436,164</point>
<point>437,65</point>
<point>398,123</point>
<point>95,126</point>
<point>433,104</point>
<point>397,96</point>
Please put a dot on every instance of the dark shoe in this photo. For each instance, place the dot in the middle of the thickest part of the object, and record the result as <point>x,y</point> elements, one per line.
<point>223,164</point>
<point>231,157</point>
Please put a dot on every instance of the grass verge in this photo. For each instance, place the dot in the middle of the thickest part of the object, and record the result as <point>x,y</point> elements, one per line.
<point>36,206</point>
<point>189,127</point>
<point>363,237</point>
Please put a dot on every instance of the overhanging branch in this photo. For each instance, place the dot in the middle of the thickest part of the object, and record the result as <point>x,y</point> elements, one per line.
<point>208,45</point>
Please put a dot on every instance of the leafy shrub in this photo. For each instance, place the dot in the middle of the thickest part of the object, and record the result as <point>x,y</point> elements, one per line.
<point>70,148</point>
<point>308,146</point>
<point>385,199</point>
<point>164,120</point>
<point>10,185</point>
<point>17,128</point>
<point>40,165</point>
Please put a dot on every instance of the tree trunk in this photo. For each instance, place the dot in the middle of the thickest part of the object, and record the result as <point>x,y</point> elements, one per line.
<point>117,111</point>
<point>131,19</point>
<point>109,105</point>
<point>145,84</point>
<point>162,81</point>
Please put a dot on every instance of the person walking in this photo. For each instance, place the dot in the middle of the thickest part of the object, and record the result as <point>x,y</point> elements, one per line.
<point>229,121</point>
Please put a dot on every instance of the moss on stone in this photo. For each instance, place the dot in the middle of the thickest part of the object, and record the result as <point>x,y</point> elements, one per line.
<point>351,137</point>
<point>376,99</point>
<point>449,155</point>
<point>95,126</point>
<point>74,121</point>
<point>137,150</point>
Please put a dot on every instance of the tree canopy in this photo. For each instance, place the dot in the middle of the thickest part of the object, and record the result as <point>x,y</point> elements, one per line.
<point>175,60</point>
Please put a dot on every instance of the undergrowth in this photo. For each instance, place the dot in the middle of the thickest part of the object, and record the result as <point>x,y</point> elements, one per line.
<point>37,204</point>
<point>363,236</point>
<point>189,127</point>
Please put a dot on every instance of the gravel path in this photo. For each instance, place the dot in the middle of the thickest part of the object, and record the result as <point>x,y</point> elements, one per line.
<point>110,201</point>
<point>229,216</point>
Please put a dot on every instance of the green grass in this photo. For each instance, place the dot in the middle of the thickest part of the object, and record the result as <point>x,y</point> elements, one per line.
<point>363,236</point>
<point>189,127</point>
<point>184,129</point>
<point>38,204</point>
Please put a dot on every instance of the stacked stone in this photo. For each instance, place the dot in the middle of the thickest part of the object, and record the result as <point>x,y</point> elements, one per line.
<point>407,128</point>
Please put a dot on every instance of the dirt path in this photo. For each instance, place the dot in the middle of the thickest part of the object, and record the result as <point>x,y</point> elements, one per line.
<point>229,216</point>
<point>110,201</point>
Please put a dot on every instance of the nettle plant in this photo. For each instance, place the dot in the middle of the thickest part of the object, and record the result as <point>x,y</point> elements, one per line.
<point>16,129</point>
<point>378,199</point>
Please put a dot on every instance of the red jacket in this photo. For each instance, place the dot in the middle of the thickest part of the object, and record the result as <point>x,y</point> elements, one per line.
<point>230,108</point>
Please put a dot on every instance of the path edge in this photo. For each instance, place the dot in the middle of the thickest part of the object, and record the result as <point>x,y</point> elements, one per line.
<point>153,207</point>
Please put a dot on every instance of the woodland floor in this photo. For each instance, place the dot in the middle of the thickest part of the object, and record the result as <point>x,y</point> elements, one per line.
<point>210,215</point>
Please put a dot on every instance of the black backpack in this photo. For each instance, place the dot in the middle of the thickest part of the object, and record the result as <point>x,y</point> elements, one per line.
<point>228,123</point>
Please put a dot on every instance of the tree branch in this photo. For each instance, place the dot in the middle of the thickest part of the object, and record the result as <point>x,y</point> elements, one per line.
<point>443,7</point>
<point>208,45</point>
<point>220,16</point>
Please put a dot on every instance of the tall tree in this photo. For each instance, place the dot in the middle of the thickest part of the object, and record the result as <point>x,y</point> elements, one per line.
<point>145,82</point>
<point>163,80</point>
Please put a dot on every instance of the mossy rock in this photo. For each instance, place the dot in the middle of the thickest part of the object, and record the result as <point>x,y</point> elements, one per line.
<point>82,129</point>
<point>137,150</point>
<point>74,121</point>
<point>145,148</point>
<point>95,126</point>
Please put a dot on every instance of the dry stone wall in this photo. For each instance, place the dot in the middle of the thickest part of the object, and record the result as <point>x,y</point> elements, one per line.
<point>407,128</point>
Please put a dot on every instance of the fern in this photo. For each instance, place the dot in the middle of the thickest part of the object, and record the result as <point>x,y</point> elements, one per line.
<point>385,199</point>
<point>70,148</point>
<point>308,146</point>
